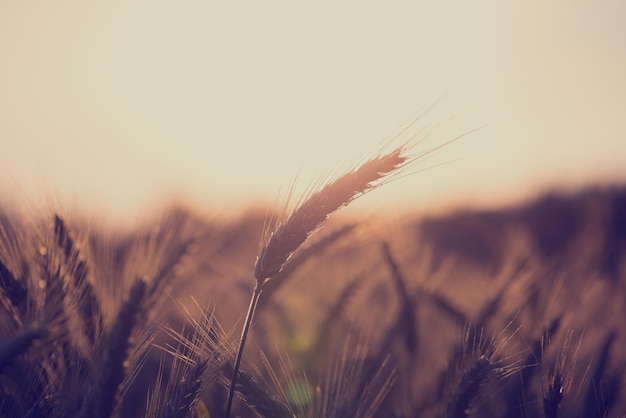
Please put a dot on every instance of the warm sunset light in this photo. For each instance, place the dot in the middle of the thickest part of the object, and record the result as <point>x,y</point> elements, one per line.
<point>116,107</point>
<point>184,231</point>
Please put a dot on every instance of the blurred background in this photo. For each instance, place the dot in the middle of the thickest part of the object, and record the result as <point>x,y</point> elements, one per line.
<point>121,107</point>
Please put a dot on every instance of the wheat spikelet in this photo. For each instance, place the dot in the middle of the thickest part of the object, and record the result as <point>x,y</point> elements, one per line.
<point>472,381</point>
<point>553,396</point>
<point>185,399</point>
<point>114,361</point>
<point>198,356</point>
<point>309,216</point>
<point>477,363</point>
<point>82,294</point>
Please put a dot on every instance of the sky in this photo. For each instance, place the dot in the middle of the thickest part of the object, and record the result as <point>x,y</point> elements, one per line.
<point>119,107</point>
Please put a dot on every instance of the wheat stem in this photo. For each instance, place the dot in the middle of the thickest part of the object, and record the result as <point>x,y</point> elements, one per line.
<point>242,342</point>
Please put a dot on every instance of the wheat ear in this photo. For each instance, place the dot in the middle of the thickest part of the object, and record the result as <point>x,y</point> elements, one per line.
<point>85,299</point>
<point>185,398</point>
<point>101,403</point>
<point>470,386</point>
<point>289,235</point>
<point>309,216</point>
<point>553,396</point>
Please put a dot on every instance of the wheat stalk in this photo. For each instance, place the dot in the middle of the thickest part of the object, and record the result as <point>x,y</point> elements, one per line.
<point>290,234</point>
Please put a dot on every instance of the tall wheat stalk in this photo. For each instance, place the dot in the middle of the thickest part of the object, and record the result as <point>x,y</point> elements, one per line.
<point>291,233</point>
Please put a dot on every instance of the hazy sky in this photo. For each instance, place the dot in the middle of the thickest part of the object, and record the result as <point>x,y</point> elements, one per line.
<point>116,106</point>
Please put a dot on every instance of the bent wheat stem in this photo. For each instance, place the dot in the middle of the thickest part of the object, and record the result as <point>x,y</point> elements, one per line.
<point>242,343</point>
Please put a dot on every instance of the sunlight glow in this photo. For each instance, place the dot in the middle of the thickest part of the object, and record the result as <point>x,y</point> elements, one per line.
<point>124,105</point>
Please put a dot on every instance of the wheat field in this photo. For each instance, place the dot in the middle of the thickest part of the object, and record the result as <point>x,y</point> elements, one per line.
<point>515,312</point>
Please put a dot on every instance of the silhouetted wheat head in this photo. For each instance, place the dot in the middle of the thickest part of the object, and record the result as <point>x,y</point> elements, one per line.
<point>291,233</point>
